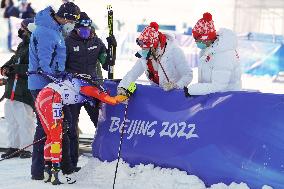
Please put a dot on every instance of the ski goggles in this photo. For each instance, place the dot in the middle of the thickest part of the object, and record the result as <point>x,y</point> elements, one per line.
<point>70,16</point>
<point>85,22</point>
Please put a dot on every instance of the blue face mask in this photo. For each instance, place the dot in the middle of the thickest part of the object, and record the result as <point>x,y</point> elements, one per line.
<point>84,32</point>
<point>201,45</point>
<point>143,53</point>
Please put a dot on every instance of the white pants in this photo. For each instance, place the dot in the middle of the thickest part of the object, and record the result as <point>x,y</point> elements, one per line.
<point>21,124</point>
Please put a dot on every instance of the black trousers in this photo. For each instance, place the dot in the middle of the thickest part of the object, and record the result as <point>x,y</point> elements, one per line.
<point>73,133</point>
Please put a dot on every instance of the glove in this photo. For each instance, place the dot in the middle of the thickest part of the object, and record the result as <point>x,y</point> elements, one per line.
<point>6,70</point>
<point>107,62</point>
<point>122,95</point>
<point>186,93</point>
<point>169,86</point>
<point>111,41</point>
<point>121,99</point>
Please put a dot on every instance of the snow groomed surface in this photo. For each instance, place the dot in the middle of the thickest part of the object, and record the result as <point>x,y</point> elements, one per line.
<point>223,137</point>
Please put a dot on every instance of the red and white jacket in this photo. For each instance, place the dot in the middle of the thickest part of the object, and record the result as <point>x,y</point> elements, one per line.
<point>219,68</point>
<point>174,63</point>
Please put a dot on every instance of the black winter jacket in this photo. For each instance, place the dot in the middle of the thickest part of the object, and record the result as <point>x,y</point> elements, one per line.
<point>83,55</point>
<point>18,64</point>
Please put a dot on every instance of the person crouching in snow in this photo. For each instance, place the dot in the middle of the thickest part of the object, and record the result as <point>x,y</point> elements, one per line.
<point>219,69</point>
<point>19,105</point>
<point>49,103</point>
<point>161,59</point>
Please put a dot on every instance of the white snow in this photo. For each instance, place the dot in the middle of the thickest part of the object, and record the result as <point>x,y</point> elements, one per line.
<point>99,175</point>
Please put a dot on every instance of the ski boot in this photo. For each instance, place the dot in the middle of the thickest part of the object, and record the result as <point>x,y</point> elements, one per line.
<point>54,176</point>
<point>47,173</point>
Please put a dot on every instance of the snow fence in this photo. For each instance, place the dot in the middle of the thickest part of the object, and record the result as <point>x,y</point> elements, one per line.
<point>222,137</point>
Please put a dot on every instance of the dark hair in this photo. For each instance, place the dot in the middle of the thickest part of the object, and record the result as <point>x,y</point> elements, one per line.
<point>2,4</point>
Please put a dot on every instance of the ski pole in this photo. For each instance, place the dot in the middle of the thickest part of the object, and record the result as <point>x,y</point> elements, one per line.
<point>164,71</point>
<point>2,98</point>
<point>22,149</point>
<point>131,89</point>
<point>120,144</point>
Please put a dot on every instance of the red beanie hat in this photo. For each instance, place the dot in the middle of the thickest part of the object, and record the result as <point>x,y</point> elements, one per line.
<point>149,37</point>
<point>204,29</point>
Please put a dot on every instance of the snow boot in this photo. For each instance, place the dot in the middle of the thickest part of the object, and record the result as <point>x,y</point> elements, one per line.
<point>9,152</point>
<point>47,173</point>
<point>71,178</point>
<point>54,176</point>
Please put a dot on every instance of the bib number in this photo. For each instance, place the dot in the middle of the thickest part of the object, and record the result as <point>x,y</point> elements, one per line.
<point>57,111</point>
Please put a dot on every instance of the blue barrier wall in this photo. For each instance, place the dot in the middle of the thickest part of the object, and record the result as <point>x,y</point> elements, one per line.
<point>221,137</point>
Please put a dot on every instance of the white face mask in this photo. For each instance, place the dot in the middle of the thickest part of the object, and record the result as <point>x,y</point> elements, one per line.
<point>67,28</point>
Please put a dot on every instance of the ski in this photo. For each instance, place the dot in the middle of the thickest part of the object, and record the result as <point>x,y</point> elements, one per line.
<point>111,48</point>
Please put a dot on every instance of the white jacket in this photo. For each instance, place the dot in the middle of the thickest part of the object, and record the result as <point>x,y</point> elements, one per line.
<point>174,63</point>
<point>219,68</point>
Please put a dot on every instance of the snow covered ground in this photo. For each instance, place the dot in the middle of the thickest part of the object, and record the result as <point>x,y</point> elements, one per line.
<point>99,175</point>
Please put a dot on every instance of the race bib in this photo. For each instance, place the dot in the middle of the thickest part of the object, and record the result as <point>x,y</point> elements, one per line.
<point>57,111</point>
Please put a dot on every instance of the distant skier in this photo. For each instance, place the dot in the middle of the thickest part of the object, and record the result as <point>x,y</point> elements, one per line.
<point>49,105</point>
<point>161,59</point>
<point>19,103</point>
<point>219,67</point>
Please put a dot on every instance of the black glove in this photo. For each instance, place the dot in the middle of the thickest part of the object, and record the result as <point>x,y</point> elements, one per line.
<point>107,62</point>
<point>186,93</point>
<point>111,41</point>
<point>7,71</point>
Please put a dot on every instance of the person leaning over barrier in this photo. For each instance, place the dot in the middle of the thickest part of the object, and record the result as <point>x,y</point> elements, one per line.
<point>219,68</point>
<point>18,108</point>
<point>47,53</point>
<point>70,89</point>
<point>161,59</point>
<point>85,53</point>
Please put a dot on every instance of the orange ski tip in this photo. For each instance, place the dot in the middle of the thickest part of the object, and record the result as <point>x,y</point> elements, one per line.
<point>109,100</point>
<point>120,98</point>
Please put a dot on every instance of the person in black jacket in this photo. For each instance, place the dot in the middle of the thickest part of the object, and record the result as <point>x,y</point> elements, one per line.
<point>19,102</point>
<point>10,10</point>
<point>26,10</point>
<point>84,53</point>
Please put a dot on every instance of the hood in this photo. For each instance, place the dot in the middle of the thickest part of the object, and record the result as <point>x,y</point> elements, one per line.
<point>43,18</point>
<point>170,36</point>
<point>226,40</point>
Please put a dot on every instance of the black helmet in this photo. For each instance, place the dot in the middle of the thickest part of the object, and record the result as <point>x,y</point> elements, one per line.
<point>84,20</point>
<point>69,11</point>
